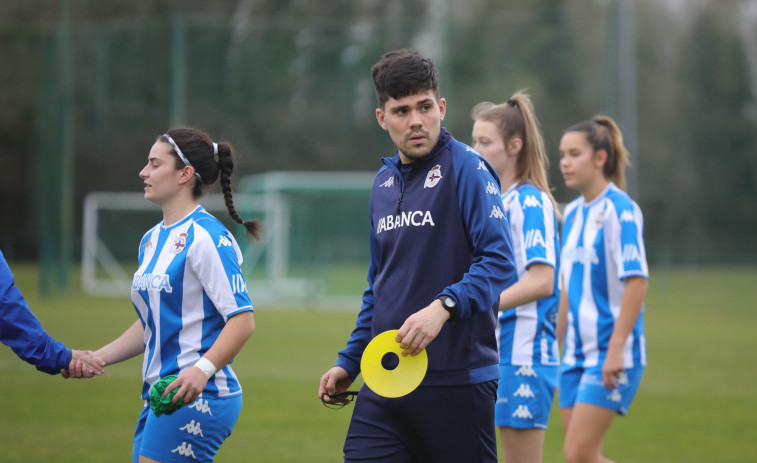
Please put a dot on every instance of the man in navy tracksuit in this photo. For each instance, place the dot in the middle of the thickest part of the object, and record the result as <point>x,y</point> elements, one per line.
<point>441,254</point>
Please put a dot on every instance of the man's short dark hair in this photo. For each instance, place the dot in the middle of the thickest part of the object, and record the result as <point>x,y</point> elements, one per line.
<point>403,72</point>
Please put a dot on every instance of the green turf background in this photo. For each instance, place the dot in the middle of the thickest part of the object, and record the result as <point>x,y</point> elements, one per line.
<point>697,402</point>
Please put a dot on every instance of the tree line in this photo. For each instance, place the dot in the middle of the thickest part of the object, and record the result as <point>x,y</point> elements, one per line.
<point>289,84</point>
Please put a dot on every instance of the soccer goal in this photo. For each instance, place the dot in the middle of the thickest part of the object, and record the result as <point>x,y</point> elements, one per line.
<point>315,248</point>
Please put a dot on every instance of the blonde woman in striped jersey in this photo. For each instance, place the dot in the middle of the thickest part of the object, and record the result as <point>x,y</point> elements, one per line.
<point>507,135</point>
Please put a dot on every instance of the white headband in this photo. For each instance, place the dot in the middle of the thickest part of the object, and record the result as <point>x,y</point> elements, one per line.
<point>181,155</point>
<point>215,149</point>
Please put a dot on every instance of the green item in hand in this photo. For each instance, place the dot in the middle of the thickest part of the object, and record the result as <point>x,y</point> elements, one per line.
<point>160,405</point>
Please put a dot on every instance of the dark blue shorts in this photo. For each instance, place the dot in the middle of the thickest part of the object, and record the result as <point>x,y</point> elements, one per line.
<point>431,424</point>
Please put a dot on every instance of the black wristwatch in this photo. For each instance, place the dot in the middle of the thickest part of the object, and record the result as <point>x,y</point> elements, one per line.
<point>450,305</point>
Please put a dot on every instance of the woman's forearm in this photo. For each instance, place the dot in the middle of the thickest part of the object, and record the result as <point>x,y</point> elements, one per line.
<point>128,345</point>
<point>537,284</point>
<point>237,331</point>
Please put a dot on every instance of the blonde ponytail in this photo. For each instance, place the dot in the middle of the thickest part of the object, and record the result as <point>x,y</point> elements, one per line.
<point>517,118</point>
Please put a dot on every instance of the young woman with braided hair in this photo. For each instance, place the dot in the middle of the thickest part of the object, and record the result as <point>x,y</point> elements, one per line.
<point>604,278</point>
<point>508,136</point>
<point>190,296</point>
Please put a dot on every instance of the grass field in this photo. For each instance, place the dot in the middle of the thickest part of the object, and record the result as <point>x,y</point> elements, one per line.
<point>697,402</point>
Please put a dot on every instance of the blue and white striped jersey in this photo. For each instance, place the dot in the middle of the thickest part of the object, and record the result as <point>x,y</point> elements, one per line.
<point>527,333</point>
<point>189,282</point>
<point>603,244</point>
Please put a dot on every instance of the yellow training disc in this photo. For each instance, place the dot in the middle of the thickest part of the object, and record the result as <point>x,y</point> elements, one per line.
<point>377,365</point>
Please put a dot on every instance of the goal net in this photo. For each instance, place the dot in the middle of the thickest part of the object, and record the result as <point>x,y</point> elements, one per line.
<point>314,253</point>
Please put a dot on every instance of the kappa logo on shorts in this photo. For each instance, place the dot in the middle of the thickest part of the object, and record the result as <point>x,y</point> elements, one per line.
<point>202,406</point>
<point>185,450</point>
<point>192,428</point>
<point>591,380</point>
<point>523,413</point>
<point>526,370</point>
<point>524,390</point>
<point>433,177</point>
<point>615,396</point>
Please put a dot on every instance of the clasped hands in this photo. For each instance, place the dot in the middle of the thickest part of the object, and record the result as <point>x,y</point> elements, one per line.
<point>84,364</point>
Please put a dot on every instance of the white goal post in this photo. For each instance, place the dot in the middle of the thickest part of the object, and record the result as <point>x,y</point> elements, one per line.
<point>102,273</point>
<point>310,221</point>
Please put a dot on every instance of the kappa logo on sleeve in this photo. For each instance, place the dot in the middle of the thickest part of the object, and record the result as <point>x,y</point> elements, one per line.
<point>223,241</point>
<point>492,189</point>
<point>496,213</point>
<point>626,216</point>
<point>388,183</point>
<point>433,177</point>
<point>481,165</point>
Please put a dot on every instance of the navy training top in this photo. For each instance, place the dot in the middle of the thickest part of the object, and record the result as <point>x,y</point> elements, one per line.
<point>21,331</point>
<point>437,228</point>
